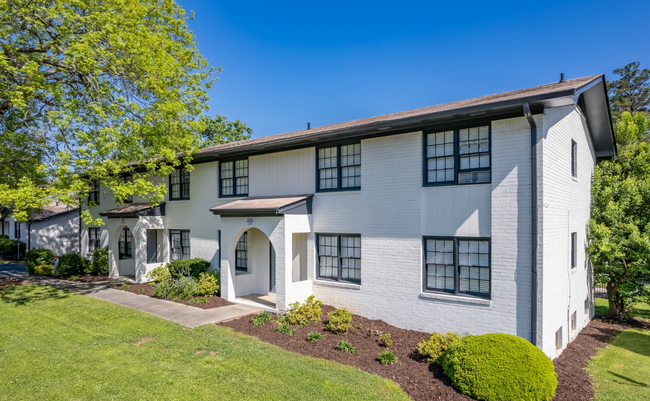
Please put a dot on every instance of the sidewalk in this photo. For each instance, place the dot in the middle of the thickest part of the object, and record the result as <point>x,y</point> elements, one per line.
<point>186,315</point>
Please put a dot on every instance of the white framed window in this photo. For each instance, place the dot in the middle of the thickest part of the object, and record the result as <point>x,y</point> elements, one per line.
<point>339,257</point>
<point>339,167</point>
<point>180,244</point>
<point>233,178</point>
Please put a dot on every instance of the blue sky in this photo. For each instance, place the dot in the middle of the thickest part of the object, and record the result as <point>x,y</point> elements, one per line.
<point>286,63</point>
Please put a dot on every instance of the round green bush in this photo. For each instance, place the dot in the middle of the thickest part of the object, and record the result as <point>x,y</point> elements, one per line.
<point>500,367</point>
<point>72,264</point>
<point>37,257</point>
<point>99,264</point>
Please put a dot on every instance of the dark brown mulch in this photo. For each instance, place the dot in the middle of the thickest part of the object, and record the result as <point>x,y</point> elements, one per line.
<point>9,281</point>
<point>86,278</point>
<point>423,381</point>
<point>574,383</point>
<point>147,290</point>
<point>420,380</point>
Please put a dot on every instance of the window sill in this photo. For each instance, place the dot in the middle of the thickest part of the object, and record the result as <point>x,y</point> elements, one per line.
<point>180,200</point>
<point>435,185</point>
<point>338,284</point>
<point>242,273</point>
<point>456,298</point>
<point>339,192</point>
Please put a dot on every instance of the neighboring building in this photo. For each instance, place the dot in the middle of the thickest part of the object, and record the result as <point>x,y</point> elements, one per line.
<point>469,216</point>
<point>56,228</point>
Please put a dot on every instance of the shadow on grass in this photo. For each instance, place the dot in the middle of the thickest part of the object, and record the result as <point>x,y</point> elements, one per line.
<point>21,295</point>
<point>628,380</point>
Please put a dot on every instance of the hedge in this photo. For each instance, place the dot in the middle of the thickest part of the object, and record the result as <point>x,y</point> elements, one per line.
<point>72,264</point>
<point>38,257</point>
<point>188,267</point>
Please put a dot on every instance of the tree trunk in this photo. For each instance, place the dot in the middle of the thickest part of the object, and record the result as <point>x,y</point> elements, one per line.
<point>616,307</point>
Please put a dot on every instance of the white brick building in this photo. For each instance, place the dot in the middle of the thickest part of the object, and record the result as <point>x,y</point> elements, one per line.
<point>421,218</point>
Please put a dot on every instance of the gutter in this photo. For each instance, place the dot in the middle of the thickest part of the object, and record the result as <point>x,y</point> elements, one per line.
<point>534,234</point>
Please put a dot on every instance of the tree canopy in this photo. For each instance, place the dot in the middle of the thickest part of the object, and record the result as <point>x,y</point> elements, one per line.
<point>92,89</point>
<point>217,130</point>
<point>631,92</point>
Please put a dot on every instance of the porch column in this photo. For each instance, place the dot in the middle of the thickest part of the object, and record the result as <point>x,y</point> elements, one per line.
<point>282,241</point>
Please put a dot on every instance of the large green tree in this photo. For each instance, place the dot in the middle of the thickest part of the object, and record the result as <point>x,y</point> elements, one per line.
<point>92,89</point>
<point>217,130</point>
<point>631,92</point>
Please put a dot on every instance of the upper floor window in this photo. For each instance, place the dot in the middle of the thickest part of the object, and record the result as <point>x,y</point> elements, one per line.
<point>460,156</point>
<point>574,159</point>
<point>128,178</point>
<point>17,229</point>
<point>125,244</point>
<point>180,244</point>
<point>241,254</point>
<point>574,250</point>
<point>94,238</point>
<point>457,265</point>
<point>339,167</point>
<point>339,257</point>
<point>233,178</point>
<point>93,195</point>
<point>179,183</point>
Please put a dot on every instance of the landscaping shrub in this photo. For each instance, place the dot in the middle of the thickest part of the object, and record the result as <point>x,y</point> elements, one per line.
<point>182,288</point>
<point>99,264</point>
<point>500,367</point>
<point>303,315</point>
<point>209,284</point>
<point>43,270</point>
<point>434,347</point>
<point>284,328</point>
<point>386,358</point>
<point>125,287</point>
<point>340,321</point>
<point>261,319</point>
<point>3,236</point>
<point>159,274</point>
<point>314,336</point>
<point>385,340</point>
<point>344,346</point>
<point>11,246</point>
<point>72,264</point>
<point>188,267</point>
<point>37,257</point>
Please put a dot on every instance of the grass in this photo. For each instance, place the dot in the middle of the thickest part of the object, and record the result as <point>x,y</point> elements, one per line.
<point>61,346</point>
<point>639,310</point>
<point>622,370</point>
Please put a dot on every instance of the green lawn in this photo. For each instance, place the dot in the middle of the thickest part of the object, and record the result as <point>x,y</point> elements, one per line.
<point>61,346</point>
<point>639,310</point>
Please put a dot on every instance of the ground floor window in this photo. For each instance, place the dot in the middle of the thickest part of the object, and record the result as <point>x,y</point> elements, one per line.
<point>457,265</point>
<point>17,229</point>
<point>241,254</point>
<point>94,237</point>
<point>180,244</point>
<point>339,257</point>
<point>126,244</point>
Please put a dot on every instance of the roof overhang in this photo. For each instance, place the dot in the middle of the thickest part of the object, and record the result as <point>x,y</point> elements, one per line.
<point>594,102</point>
<point>135,210</point>
<point>49,215</point>
<point>253,206</point>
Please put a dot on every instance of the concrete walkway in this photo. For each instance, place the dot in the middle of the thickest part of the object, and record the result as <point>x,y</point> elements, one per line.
<point>186,315</point>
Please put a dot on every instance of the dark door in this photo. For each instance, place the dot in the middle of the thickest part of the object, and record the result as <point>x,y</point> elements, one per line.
<point>272,267</point>
<point>152,246</point>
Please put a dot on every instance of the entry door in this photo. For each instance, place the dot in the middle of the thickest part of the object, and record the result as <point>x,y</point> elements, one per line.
<point>272,267</point>
<point>152,246</point>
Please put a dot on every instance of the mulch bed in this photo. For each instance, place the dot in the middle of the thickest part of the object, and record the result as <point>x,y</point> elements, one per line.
<point>147,290</point>
<point>421,380</point>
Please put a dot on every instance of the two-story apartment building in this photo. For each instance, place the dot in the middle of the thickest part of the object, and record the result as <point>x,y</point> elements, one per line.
<point>468,216</point>
<point>55,228</point>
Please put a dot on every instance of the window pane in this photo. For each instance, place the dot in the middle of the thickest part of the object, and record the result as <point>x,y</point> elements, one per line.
<point>328,256</point>
<point>474,263</point>
<point>241,254</point>
<point>440,265</point>
<point>474,148</point>
<point>440,152</point>
<point>351,258</point>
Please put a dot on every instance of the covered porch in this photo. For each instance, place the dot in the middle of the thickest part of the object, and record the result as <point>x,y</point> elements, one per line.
<point>265,250</point>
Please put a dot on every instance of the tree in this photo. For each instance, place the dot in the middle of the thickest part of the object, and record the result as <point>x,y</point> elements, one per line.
<point>631,92</point>
<point>631,129</point>
<point>218,131</point>
<point>103,88</point>
<point>619,230</point>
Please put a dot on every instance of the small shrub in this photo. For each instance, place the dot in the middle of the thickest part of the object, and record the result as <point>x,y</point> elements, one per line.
<point>73,278</point>
<point>303,315</point>
<point>99,264</point>
<point>4,236</point>
<point>344,346</point>
<point>109,286</point>
<point>385,340</point>
<point>500,367</point>
<point>125,287</point>
<point>141,289</point>
<point>37,257</point>
<point>72,264</point>
<point>340,321</point>
<point>158,274</point>
<point>183,288</point>
<point>434,347</point>
<point>314,336</point>
<point>44,270</point>
<point>284,328</point>
<point>188,267</point>
<point>11,246</point>
<point>209,284</point>
<point>261,319</point>
<point>386,358</point>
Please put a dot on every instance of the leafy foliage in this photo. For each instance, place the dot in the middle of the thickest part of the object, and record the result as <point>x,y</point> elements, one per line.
<point>340,321</point>
<point>286,329</point>
<point>209,284</point>
<point>629,129</point>
<point>95,85</point>
<point>434,347</point>
<point>99,264</point>
<point>344,346</point>
<point>314,336</point>
<point>182,288</point>
<point>43,270</point>
<point>159,274</point>
<point>72,264</point>
<point>188,267</point>
<point>217,130</point>
<point>261,319</point>
<point>125,287</point>
<point>303,315</point>
<point>38,256</point>
<point>631,92</point>
<point>12,246</point>
<point>385,340</point>
<point>500,367</point>
<point>619,230</point>
<point>386,358</point>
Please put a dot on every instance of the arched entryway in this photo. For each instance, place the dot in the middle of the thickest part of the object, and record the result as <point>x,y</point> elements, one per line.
<point>251,251</point>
